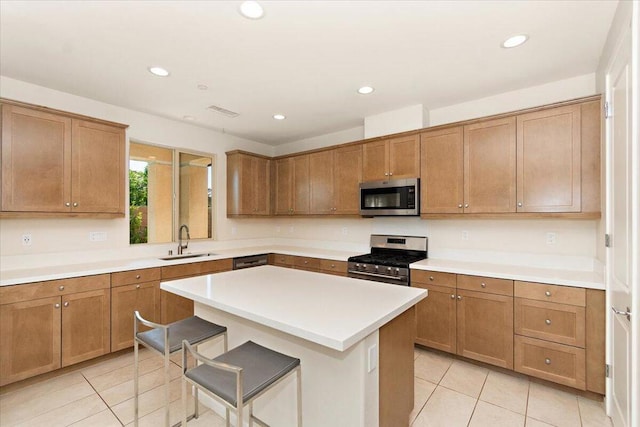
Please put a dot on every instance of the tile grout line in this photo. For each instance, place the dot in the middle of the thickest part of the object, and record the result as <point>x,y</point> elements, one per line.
<point>478,399</point>
<point>103,401</point>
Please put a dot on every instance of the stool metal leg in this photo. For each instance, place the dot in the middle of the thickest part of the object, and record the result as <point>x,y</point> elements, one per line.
<point>167,378</point>
<point>135,382</point>
<point>299,397</point>
<point>185,406</point>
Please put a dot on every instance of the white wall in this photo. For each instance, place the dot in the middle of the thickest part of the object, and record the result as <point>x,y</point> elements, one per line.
<point>71,234</point>
<point>517,241</point>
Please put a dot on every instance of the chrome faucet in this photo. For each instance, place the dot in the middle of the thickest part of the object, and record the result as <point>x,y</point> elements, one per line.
<point>180,245</point>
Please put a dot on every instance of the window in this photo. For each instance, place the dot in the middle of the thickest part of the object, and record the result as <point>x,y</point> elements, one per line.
<point>153,181</point>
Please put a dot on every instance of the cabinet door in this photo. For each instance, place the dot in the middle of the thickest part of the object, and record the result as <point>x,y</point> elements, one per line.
<point>375,161</point>
<point>404,157</point>
<point>441,171</point>
<point>174,307</point>
<point>98,165</point>
<point>86,326</point>
<point>549,160</point>
<point>321,182</point>
<point>261,188</point>
<point>301,184</point>
<point>239,184</point>
<point>143,297</point>
<point>485,327</point>
<point>436,318</point>
<point>347,178</point>
<point>36,161</point>
<point>284,185</point>
<point>29,338</point>
<point>490,166</point>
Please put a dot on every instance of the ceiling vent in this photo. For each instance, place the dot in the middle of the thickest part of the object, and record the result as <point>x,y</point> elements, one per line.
<point>223,111</point>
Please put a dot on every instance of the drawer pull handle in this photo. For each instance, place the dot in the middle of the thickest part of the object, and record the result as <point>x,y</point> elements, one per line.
<point>333,266</point>
<point>483,285</point>
<point>548,321</point>
<point>137,276</point>
<point>61,288</point>
<point>548,293</point>
<point>431,278</point>
<point>547,361</point>
<point>453,296</point>
<point>137,286</point>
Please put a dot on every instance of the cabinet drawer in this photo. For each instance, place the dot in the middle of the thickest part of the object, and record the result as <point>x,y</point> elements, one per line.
<point>561,323</point>
<point>281,260</point>
<point>485,284</point>
<point>216,266</point>
<point>433,277</point>
<point>31,291</point>
<point>551,293</point>
<point>333,267</point>
<point>559,363</point>
<point>306,263</point>
<point>135,276</point>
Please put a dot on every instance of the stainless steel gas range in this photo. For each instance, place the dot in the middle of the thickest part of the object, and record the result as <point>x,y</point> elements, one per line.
<point>389,259</point>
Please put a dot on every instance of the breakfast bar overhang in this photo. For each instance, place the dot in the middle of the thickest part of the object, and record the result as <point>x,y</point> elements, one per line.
<point>354,339</point>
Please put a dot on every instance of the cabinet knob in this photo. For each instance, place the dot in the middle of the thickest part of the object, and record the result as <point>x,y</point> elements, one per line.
<point>453,296</point>
<point>466,205</point>
<point>57,305</point>
<point>390,173</point>
<point>75,204</point>
<point>306,262</point>
<point>137,276</point>
<point>519,204</point>
<point>483,285</point>
<point>137,286</point>
<point>67,204</point>
<point>66,304</point>
<point>548,293</point>
<point>547,361</point>
<point>459,297</point>
<point>431,278</point>
<point>333,266</point>
<point>548,321</point>
<point>61,288</point>
<point>460,205</point>
<point>386,174</point>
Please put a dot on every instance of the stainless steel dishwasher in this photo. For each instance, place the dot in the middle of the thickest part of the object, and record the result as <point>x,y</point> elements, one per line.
<point>250,261</point>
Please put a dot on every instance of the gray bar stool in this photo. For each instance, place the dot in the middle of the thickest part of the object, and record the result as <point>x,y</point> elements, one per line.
<point>166,340</point>
<point>239,376</point>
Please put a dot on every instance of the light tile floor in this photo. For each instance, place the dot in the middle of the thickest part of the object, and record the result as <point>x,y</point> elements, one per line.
<point>448,392</point>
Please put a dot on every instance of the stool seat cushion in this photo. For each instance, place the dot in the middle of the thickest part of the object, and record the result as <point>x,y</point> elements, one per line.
<point>261,367</point>
<point>193,329</point>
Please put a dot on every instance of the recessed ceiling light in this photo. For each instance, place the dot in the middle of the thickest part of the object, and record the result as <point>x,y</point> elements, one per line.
<point>203,87</point>
<point>251,10</point>
<point>515,41</point>
<point>365,90</point>
<point>190,118</point>
<point>279,116</point>
<point>158,71</point>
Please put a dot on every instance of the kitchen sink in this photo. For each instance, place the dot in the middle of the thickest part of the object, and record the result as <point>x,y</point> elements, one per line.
<point>184,256</point>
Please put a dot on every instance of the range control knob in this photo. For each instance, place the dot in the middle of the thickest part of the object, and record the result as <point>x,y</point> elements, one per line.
<point>397,271</point>
<point>389,269</point>
<point>357,266</point>
<point>364,266</point>
<point>376,267</point>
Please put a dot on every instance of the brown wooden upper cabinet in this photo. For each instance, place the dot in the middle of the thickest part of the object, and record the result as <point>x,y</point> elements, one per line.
<point>395,158</point>
<point>334,176</point>
<point>292,185</point>
<point>469,169</point>
<point>549,165</point>
<point>61,164</point>
<point>248,184</point>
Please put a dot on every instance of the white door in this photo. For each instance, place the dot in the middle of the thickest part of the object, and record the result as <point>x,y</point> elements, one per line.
<point>619,216</point>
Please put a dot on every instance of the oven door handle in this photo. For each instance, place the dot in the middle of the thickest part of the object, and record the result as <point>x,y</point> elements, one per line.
<point>377,275</point>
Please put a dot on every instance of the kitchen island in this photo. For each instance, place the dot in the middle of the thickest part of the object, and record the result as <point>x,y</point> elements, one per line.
<point>354,339</point>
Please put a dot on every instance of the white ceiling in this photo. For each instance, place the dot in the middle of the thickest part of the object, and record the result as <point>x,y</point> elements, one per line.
<point>304,59</point>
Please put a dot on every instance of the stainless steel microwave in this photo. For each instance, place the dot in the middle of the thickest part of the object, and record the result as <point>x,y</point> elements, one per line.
<point>390,198</point>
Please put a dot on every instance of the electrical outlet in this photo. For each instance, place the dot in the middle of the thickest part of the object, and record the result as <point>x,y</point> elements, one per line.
<point>291,229</point>
<point>551,238</point>
<point>234,230</point>
<point>373,358</point>
<point>97,236</point>
<point>465,235</point>
<point>344,231</point>
<point>26,239</point>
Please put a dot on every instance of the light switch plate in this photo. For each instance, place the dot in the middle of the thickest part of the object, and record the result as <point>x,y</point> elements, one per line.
<point>97,236</point>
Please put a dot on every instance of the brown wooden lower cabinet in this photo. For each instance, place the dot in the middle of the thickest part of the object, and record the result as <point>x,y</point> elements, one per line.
<point>436,318</point>
<point>338,268</point>
<point>64,326</point>
<point>143,297</point>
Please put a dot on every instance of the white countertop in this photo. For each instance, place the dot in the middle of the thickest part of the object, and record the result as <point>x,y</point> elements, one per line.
<point>582,279</point>
<point>333,311</point>
<point>16,277</point>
